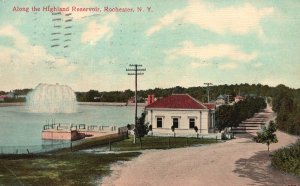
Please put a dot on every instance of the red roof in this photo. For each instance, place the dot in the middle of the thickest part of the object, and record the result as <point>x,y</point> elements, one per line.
<point>178,101</point>
<point>210,105</point>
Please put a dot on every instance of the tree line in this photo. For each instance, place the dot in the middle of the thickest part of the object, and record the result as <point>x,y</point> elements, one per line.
<point>285,100</point>
<point>199,92</point>
<point>286,103</point>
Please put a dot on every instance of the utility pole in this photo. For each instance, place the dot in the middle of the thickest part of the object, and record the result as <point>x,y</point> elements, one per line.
<point>135,71</point>
<point>207,88</point>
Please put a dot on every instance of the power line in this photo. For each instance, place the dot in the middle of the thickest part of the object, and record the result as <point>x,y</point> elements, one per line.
<point>136,70</point>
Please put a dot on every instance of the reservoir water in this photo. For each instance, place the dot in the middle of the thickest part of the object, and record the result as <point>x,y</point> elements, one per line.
<point>21,128</point>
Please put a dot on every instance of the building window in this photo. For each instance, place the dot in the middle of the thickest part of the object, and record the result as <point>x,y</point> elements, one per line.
<point>175,122</point>
<point>192,123</point>
<point>159,122</point>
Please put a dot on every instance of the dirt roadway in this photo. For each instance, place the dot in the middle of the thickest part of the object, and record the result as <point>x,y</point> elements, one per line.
<point>235,162</point>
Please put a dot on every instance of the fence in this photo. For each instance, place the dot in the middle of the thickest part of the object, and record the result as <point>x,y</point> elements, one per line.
<point>34,148</point>
<point>112,142</point>
<point>153,142</point>
<point>53,145</point>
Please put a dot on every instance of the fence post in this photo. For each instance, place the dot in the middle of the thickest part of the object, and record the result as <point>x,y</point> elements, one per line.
<point>169,143</point>
<point>141,144</point>
<point>216,138</point>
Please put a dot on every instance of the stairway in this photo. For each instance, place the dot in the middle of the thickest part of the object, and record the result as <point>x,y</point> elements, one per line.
<point>251,125</point>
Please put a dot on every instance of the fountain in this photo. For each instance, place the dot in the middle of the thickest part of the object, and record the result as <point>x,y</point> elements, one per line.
<point>48,98</point>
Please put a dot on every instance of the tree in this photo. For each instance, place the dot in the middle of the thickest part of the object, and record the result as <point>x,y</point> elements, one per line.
<point>267,135</point>
<point>141,129</point>
<point>91,95</point>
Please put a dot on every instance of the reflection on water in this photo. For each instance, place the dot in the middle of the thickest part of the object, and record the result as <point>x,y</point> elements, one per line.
<point>21,128</point>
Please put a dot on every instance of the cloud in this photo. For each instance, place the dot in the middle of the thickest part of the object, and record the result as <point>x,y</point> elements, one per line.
<point>20,41</point>
<point>211,51</point>
<point>22,52</point>
<point>228,66</point>
<point>257,65</point>
<point>23,64</point>
<point>199,65</point>
<point>238,20</point>
<point>96,30</point>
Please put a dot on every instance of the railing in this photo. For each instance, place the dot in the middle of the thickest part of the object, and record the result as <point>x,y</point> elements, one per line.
<point>34,148</point>
<point>112,142</point>
<point>53,145</point>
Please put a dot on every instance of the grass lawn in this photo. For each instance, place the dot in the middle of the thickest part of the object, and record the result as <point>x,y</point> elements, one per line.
<point>153,142</point>
<point>58,169</point>
<point>63,167</point>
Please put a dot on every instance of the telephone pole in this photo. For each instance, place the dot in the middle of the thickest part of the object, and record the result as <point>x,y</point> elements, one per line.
<point>135,70</point>
<point>207,88</point>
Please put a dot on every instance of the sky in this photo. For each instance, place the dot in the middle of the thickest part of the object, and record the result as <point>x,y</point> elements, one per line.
<point>180,43</point>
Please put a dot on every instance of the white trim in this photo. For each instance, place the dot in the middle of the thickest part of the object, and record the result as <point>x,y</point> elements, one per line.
<point>177,109</point>
<point>179,117</point>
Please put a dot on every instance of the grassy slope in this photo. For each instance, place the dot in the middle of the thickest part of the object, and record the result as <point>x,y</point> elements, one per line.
<point>60,169</point>
<point>288,159</point>
<point>78,168</point>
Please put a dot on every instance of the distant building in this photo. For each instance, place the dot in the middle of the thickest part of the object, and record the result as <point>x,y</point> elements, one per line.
<point>10,95</point>
<point>20,96</point>
<point>238,98</point>
<point>220,100</point>
<point>2,97</point>
<point>131,100</point>
<point>183,112</point>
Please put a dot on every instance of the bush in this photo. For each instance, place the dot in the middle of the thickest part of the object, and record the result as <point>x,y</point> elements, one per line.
<point>288,159</point>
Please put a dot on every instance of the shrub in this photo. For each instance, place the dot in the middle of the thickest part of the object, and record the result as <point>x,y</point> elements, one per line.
<point>288,159</point>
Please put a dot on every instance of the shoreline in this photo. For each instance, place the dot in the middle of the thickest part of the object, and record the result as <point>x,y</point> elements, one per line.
<point>111,104</point>
<point>12,104</point>
<point>82,103</point>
